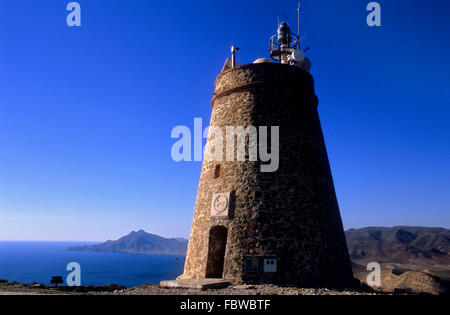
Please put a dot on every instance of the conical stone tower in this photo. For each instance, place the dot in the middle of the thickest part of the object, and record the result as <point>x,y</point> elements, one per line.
<point>269,227</point>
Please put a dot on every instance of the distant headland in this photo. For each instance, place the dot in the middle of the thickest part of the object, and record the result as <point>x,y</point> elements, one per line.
<point>139,242</point>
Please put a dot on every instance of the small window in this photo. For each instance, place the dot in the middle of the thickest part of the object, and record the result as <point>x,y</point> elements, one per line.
<point>270,265</point>
<point>218,171</point>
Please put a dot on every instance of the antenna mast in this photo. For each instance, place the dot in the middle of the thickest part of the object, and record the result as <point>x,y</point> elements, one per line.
<point>299,9</point>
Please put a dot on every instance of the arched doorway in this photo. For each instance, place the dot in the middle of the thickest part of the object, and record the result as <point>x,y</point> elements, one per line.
<point>216,251</point>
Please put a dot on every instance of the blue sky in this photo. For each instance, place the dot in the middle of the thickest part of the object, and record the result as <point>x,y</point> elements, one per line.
<point>86,113</point>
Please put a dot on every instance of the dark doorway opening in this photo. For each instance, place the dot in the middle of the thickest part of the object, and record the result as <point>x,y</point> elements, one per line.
<point>216,251</point>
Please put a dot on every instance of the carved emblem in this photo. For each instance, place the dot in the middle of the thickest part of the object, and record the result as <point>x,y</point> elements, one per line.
<point>220,205</point>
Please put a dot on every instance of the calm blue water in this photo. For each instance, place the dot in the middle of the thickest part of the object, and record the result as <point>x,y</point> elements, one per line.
<point>29,262</point>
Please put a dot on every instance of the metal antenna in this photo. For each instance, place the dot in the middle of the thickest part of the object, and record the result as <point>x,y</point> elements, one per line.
<point>299,9</point>
<point>234,49</point>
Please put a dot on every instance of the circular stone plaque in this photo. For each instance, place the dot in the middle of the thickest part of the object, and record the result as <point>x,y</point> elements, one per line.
<point>220,204</point>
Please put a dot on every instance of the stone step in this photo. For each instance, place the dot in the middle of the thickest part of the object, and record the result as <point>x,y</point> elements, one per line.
<point>201,284</point>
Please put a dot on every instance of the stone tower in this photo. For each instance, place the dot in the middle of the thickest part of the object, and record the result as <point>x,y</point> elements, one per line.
<point>269,227</point>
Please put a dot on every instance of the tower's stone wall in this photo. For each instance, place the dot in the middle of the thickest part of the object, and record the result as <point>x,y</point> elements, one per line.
<point>290,215</point>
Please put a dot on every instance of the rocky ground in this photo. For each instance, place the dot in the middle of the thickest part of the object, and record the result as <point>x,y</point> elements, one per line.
<point>36,289</point>
<point>238,290</point>
<point>395,279</point>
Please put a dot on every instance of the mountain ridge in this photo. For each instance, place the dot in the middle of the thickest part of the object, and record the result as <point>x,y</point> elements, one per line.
<point>402,244</point>
<point>139,242</point>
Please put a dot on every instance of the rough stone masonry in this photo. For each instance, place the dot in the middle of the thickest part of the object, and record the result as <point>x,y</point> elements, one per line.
<point>280,227</point>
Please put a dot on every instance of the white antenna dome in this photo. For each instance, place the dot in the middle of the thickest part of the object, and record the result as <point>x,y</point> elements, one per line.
<point>298,55</point>
<point>305,64</point>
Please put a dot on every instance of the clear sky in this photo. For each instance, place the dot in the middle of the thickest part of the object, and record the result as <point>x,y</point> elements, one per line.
<point>86,113</point>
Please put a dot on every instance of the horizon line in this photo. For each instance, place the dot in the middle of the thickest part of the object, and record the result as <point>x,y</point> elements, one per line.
<point>345,230</point>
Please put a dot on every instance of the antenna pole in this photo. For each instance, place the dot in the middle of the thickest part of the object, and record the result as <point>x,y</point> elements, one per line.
<point>233,56</point>
<point>299,9</point>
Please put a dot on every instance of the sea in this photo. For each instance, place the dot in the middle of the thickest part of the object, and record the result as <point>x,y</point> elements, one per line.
<point>38,262</point>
